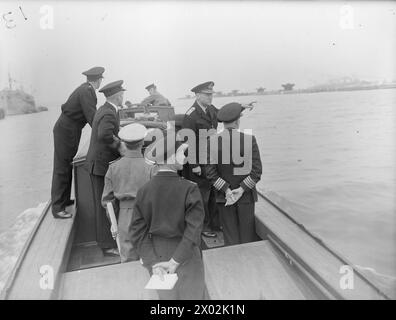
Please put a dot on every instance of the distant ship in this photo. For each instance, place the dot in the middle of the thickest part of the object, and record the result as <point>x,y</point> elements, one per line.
<point>17,101</point>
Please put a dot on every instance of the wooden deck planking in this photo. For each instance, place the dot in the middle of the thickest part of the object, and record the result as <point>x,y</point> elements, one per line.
<point>248,271</point>
<point>89,256</point>
<point>48,247</point>
<point>305,249</point>
<point>123,281</point>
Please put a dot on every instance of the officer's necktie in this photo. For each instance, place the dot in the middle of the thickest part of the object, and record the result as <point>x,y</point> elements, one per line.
<point>208,113</point>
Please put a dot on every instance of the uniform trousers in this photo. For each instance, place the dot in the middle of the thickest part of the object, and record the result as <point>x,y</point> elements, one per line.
<point>127,251</point>
<point>238,223</point>
<point>67,136</point>
<point>104,238</point>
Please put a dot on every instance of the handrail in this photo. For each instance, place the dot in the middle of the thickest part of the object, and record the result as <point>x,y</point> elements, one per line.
<point>325,246</point>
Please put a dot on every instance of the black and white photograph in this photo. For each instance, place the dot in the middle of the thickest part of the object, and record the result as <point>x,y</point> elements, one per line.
<point>211,151</point>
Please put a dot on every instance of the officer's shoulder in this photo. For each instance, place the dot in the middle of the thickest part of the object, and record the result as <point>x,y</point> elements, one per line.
<point>86,87</point>
<point>190,184</point>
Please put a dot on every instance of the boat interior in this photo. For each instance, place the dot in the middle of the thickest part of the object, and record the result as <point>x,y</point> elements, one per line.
<point>62,261</point>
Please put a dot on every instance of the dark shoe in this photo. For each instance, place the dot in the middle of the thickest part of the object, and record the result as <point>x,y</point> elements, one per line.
<point>111,252</point>
<point>209,234</point>
<point>62,215</point>
<point>70,202</point>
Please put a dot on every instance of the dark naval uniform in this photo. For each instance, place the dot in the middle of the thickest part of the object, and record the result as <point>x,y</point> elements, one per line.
<point>196,119</point>
<point>103,148</point>
<point>238,219</point>
<point>77,111</point>
<point>164,229</point>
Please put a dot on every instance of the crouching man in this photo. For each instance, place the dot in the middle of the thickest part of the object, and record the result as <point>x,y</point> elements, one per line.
<point>122,181</point>
<point>167,223</point>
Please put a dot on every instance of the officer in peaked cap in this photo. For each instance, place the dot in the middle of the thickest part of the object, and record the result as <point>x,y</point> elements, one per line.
<point>202,115</point>
<point>123,179</point>
<point>235,182</point>
<point>94,73</point>
<point>112,88</point>
<point>150,86</point>
<point>155,98</point>
<point>78,110</point>
<point>104,147</point>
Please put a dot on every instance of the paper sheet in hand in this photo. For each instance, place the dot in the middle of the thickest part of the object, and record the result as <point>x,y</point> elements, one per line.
<point>156,283</point>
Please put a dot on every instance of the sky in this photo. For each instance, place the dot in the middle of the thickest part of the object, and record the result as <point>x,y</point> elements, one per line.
<point>177,45</point>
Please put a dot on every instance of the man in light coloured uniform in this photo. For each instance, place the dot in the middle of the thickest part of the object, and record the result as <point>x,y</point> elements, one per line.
<point>123,179</point>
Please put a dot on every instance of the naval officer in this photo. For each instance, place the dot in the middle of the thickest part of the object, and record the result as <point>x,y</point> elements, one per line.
<point>167,222</point>
<point>104,147</point>
<point>123,179</point>
<point>78,110</point>
<point>234,180</point>
<point>202,115</point>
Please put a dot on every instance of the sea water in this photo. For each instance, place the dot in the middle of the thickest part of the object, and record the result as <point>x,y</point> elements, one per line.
<point>329,157</point>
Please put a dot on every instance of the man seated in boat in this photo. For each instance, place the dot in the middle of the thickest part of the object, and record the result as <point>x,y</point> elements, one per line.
<point>235,183</point>
<point>167,223</point>
<point>155,98</point>
<point>122,181</point>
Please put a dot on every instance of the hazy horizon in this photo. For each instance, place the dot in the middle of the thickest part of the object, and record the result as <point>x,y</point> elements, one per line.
<point>238,45</point>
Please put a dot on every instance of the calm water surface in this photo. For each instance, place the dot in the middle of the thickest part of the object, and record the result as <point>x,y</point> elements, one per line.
<point>330,156</point>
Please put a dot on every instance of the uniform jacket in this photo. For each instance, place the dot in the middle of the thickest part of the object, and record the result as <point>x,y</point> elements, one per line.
<point>221,173</point>
<point>81,105</point>
<point>195,119</point>
<point>156,99</point>
<point>103,147</point>
<point>124,177</point>
<point>168,206</point>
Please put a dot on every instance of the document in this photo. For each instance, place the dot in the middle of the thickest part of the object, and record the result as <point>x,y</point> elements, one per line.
<point>156,283</point>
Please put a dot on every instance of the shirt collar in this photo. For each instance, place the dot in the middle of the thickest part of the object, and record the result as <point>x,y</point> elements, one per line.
<point>133,153</point>
<point>202,107</point>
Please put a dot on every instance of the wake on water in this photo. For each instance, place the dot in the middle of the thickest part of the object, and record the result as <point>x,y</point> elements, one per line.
<point>13,240</point>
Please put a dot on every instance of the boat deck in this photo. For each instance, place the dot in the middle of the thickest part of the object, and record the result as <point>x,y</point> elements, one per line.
<point>123,281</point>
<point>89,256</point>
<point>42,260</point>
<point>291,264</point>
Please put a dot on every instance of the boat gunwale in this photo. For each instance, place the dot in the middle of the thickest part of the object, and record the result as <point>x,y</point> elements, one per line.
<point>323,245</point>
<point>273,238</point>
